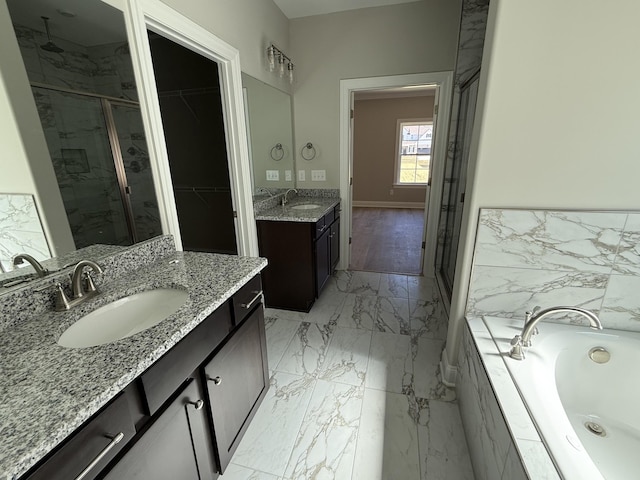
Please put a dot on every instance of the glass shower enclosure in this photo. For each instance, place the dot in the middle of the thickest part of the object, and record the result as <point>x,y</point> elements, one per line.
<point>99,155</point>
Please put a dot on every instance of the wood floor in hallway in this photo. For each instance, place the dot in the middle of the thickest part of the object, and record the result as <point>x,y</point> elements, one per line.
<point>387,240</point>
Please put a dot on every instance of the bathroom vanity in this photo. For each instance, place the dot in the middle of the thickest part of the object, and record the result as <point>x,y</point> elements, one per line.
<point>172,401</point>
<point>303,248</point>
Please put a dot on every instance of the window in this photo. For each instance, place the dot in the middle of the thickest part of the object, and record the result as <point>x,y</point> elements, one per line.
<point>414,152</point>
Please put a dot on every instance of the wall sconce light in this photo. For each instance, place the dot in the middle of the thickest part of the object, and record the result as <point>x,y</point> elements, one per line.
<point>274,54</point>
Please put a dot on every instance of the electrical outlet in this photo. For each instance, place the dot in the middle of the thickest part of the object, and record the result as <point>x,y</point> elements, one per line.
<point>318,175</point>
<point>391,192</point>
<point>287,175</point>
<point>302,176</point>
<point>273,175</point>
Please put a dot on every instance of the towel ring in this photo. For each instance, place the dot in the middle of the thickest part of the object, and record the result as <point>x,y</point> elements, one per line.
<point>277,148</point>
<point>309,146</point>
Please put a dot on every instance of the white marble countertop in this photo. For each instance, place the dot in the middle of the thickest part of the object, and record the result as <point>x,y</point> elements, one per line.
<point>47,391</point>
<point>287,213</point>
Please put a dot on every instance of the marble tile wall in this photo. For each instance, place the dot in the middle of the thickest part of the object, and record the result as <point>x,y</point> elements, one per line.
<point>473,24</point>
<point>525,258</point>
<point>502,438</point>
<point>20,229</point>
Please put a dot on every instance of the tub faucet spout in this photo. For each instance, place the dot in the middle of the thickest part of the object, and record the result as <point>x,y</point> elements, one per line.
<point>524,339</point>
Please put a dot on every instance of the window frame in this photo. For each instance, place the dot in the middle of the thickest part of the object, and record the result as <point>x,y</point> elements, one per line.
<point>398,153</point>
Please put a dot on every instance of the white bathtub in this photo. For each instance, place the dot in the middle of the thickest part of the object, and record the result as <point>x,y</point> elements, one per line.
<point>563,389</point>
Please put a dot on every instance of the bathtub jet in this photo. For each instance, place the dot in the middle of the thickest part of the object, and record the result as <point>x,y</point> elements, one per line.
<point>524,339</point>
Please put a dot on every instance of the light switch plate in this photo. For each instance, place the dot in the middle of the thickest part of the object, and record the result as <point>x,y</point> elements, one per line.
<point>302,176</point>
<point>273,175</point>
<point>318,175</point>
<point>287,175</point>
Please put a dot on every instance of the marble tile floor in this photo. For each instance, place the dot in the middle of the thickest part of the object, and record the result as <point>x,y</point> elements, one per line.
<point>355,389</point>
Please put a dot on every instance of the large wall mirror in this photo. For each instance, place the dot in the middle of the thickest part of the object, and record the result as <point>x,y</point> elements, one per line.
<point>81,76</point>
<point>270,131</point>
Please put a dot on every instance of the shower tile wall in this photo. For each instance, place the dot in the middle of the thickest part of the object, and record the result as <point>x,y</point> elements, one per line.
<point>473,24</point>
<point>20,229</point>
<point>107,70</point>
<point>525,258</point>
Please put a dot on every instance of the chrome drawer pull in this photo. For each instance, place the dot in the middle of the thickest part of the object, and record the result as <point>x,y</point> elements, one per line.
<point>250,304</point>
<point>198,405</point>
<point>216,380</point>
<point>115,440</point>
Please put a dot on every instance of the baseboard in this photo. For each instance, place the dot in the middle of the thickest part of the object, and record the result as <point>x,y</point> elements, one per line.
<point>373,204</point>
<point>449,372</point>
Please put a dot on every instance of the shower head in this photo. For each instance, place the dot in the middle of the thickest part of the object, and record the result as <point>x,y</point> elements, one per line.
<point>49,46</point>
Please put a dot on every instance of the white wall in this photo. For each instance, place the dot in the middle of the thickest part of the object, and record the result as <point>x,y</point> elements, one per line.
<point>539,142</point>
<point>401,39</point>
<point>250,26</point>
<point>25,166</point>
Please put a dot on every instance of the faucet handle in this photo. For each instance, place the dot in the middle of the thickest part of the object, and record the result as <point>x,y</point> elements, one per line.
<point>516,352</point>
<point>62,301</point>
<point>530,313</point>
<point>89,286</point>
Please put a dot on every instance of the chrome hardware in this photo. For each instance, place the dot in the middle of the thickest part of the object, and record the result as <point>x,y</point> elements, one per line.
<point>114,441</point>
<point>21,257</point>
<point>527,317</point>
<point>284,198</point>
<point>250,304</point>
<point>516,351</point>
<point>596,429</point>
<point>197,405</point>
<point>524,339</point>
<point>80,292</point>
<point>599,355</point>
<point>215,380</point>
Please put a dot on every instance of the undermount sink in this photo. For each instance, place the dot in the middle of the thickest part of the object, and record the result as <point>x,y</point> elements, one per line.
<point>123,318</point>
<point>305,206</point>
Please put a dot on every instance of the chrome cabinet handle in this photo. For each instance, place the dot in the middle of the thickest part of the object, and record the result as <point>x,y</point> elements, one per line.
<point>198,405</point>
<point>250,304</point>
<point>115,440</point>
<point>216,380</point>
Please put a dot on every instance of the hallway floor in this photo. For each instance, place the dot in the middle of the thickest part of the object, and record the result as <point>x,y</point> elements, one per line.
<point>355,390</point>
<point>387,240</point>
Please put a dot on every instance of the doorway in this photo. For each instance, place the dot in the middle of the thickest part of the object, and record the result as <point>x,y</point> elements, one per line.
<point>442,83</point>
<point>392,136</point>
<point>194,129</point>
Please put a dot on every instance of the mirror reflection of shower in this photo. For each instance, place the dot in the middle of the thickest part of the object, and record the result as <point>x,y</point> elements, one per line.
<point>49,46</point>
<point>85,93</point>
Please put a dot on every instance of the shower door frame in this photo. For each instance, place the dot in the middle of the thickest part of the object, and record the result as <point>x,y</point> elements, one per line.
<point>106,103</point>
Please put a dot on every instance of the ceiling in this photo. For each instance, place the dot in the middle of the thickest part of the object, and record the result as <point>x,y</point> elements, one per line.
<point>306,8</point>
<point>73,20</point>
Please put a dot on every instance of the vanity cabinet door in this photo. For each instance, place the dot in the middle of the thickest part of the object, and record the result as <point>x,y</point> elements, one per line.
<point>323,260</point>
<point>237,380</point>
<point>335,243</point>
<point>176,445</point>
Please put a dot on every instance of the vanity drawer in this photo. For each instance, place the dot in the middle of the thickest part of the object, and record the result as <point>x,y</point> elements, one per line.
<point>105,433</point>
<point>246,299</point>
<point>167,374</point>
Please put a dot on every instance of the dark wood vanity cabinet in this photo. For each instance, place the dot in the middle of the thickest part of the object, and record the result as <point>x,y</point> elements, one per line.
<point>184,417</point>
<point>302,256</point>
<point>236,382</point>
<point>176,444</point>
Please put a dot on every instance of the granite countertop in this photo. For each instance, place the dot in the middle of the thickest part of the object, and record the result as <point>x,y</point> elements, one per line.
<point>289,214</point>
<point>47,391</point>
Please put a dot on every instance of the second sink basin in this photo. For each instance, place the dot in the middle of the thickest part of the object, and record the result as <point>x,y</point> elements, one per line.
<point>305,206</point>
<point>123,318</point>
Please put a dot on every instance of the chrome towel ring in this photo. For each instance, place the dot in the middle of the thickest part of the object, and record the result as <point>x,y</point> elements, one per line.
<point>277,152</point>
<point>311,151</point>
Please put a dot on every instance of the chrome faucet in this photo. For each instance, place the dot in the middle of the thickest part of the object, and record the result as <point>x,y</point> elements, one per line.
<point>524,339</point>
<point>40,270</point>
<point>284,199</point>
<point>79,292</point>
